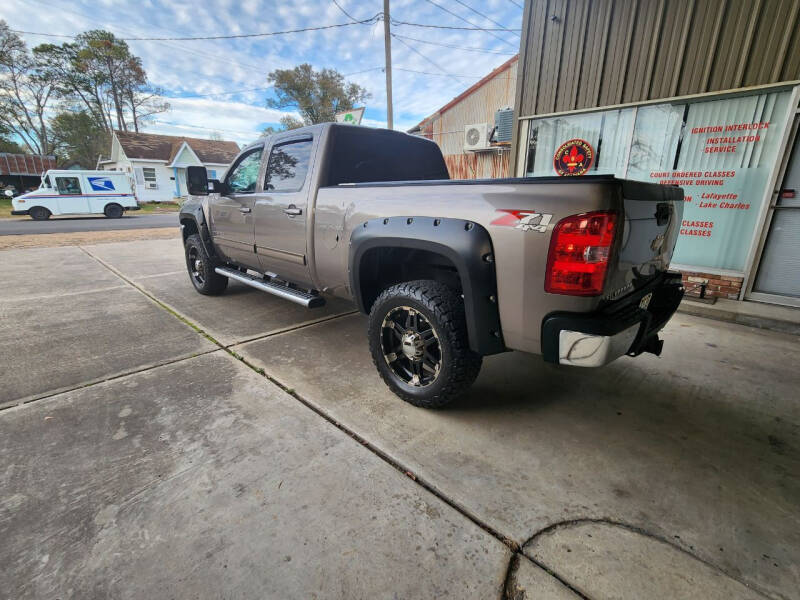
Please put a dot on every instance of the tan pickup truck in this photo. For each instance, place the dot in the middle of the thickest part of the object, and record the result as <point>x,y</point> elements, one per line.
<point>572,268</point>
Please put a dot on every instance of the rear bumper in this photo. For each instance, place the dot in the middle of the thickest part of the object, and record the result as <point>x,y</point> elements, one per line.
<point>20,212</point>
<point>137,207</point>
<point>622,327</point>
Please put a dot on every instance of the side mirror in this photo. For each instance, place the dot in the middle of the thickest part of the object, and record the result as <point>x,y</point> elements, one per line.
<point>197,181</point>
<point>215,186</point>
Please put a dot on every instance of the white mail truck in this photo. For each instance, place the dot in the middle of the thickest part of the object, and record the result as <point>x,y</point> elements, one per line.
<point>110,193</point>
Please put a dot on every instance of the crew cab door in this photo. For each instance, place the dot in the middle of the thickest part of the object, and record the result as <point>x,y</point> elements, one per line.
<point>281,210</point>
<point>232,224</point>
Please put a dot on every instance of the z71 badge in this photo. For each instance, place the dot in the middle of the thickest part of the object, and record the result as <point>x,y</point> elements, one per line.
<point>526,220</point>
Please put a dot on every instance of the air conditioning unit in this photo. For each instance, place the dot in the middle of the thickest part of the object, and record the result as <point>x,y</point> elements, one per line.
<point>151,185</point>
<point>503,124</point>
<point>476,137</point>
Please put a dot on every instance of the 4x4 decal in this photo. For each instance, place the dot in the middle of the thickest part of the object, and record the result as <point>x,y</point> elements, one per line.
<point>526,220</point>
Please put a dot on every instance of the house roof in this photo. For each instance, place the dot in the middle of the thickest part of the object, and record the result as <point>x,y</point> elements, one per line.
<point>504,67</point>
<point>152,146</point>
<point>25,164</point>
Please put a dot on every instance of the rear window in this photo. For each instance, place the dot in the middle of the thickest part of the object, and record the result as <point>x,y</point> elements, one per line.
<point>360,155</point>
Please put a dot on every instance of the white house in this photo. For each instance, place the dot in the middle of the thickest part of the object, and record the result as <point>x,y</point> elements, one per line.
<point>158,162</point>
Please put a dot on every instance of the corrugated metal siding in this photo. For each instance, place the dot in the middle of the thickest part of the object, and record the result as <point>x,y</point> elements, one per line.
<point>588,53</point>
<point>484,165</point>
<point>447,127</point>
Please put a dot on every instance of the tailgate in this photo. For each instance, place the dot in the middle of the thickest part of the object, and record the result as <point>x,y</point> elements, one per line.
<point>651,221</point>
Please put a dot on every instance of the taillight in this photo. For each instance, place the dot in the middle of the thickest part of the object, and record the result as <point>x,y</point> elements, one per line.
<point>580,248</point>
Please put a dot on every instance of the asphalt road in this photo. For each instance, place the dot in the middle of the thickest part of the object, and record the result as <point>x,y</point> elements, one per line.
<point>88,223</point>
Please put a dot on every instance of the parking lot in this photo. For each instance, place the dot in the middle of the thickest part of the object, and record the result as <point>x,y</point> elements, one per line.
<point>156,443</point>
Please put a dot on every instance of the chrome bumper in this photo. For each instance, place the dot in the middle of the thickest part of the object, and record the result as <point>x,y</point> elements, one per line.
<point>587,350</point>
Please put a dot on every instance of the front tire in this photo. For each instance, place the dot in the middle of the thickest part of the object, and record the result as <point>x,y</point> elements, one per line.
<point>419,343</point>
<point>201,268</point>
<point>39,213</point>
<point>113,211</point>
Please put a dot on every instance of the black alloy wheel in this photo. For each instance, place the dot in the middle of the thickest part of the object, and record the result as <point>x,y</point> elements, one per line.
<point>419,342</point>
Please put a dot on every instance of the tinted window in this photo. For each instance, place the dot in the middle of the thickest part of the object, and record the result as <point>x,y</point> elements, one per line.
<point>68,186</point>
<point>361,154</point>
<point>287,167</point>
<point>244,175</point>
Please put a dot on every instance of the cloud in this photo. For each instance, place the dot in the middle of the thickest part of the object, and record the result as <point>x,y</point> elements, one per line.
<point>215,66</point>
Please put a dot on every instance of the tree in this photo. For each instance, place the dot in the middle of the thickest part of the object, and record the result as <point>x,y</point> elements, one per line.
<point>97,73</point>
<point>25,93</point>
<point>79,138</point>
<point>316,95</point>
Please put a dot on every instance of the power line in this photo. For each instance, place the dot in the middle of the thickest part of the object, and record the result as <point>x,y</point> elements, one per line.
<point>263,89</point>
<point>457,16</point>
<point>223,37</point>
<point>447,74</point>
<point>415,51</point>
<point>453,27</point>
<point>480,14</point>
<point>346,14</point>
<point>468,48</point>
<point>214,57</point>
<point>515,4</point>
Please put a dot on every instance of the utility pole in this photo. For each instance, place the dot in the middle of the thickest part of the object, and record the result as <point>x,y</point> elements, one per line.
<point>387,45</point>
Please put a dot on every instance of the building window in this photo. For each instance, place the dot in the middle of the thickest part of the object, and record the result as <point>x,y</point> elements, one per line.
<point>149,174</point>
<point>720,151</point>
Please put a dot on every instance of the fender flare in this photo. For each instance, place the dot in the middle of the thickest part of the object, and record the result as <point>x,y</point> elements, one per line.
<point>466,244</point>
<point>194,212</point>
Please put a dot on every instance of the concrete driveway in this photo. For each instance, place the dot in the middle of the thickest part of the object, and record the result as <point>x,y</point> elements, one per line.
<point>158,443</point>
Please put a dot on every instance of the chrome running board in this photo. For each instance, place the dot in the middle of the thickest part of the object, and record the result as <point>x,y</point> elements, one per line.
<point>309,300</point>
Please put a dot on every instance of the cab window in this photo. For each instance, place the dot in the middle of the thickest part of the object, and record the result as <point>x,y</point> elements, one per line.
<point>288,166</point>
<point>243,177</point>
<point>68,186</point>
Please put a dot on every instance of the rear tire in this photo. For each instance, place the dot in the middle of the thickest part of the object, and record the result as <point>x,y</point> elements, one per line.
<point>113,211</point>
<point>39,213</point>
<point>419,344</point>
<point>201,268</point>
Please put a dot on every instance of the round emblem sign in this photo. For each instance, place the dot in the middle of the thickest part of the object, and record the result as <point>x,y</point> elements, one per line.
<point>573,158</point>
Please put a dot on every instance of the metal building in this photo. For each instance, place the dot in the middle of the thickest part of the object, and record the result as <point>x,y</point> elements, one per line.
<point>474,110</point>
<point>699,93</point>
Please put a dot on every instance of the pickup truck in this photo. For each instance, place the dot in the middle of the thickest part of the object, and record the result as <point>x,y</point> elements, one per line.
<point>448,271</point>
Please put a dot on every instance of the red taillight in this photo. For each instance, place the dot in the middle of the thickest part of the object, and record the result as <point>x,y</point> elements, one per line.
<point>579,251</point>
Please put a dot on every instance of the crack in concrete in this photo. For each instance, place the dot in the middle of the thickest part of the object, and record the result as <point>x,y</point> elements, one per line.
<point>515,547</point>
<point>643,532</point>
<point>65,390</point>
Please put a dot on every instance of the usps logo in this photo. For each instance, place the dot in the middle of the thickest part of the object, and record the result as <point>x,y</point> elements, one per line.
<point>101,184</point>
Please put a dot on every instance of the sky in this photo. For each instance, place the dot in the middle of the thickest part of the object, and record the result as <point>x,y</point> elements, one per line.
<point>198,77</point>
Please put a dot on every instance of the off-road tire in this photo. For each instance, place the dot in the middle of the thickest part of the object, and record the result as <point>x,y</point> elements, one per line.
<point>209,283</point>
<point>113,211</point>
<point>443,308</point>
<point>39,213</point>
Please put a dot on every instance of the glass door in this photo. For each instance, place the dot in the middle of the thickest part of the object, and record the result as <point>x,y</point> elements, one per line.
<point>778,278</point>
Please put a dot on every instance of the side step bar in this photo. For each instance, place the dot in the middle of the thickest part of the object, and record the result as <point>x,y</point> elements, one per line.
<point>282,291</point>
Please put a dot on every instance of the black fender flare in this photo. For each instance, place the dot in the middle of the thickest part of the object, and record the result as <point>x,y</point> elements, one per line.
<point>194,212</point>
<point>466,244</point>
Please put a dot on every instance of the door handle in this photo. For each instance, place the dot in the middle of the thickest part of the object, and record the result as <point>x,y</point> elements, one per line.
<point>245,209</point>
<point>293,211</point>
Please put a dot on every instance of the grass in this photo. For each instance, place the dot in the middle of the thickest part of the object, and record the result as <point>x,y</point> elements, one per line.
<point>147,207</point>
<point>5,207</point>
<point>158,207</point>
